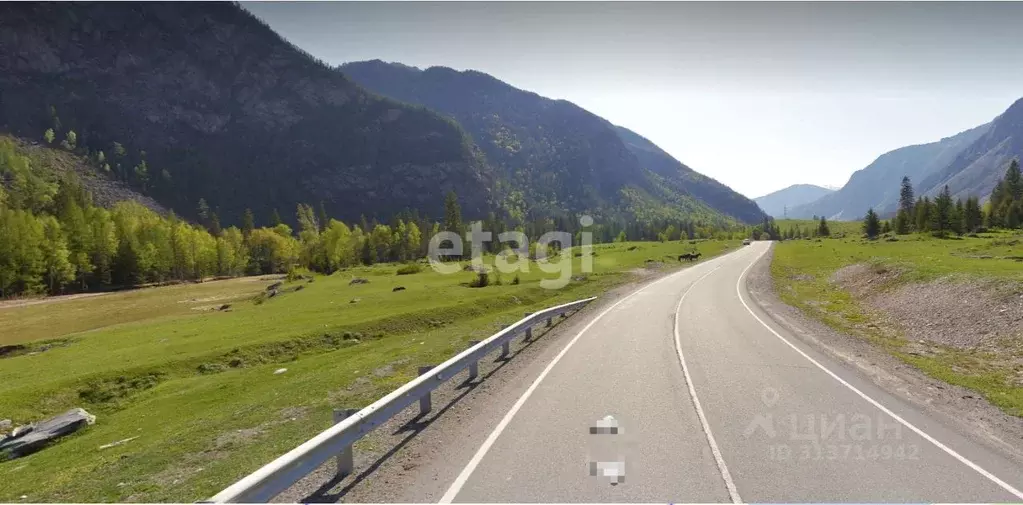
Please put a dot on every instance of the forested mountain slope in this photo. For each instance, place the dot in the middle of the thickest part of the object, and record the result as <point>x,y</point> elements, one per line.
<point>553,156</point>
<point>31,171</point>
<point>686,180</point>
<point>205,101</point>
<point>877,185</point>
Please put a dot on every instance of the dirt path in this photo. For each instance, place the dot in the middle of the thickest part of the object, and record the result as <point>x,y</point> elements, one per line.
<point>10,304</point>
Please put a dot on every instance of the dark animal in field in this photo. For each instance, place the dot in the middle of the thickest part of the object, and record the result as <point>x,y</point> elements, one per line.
<point>399,288</point>
<point>689,256</point>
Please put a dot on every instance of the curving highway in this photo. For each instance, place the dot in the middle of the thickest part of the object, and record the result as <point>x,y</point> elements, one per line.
<point>700,397</point>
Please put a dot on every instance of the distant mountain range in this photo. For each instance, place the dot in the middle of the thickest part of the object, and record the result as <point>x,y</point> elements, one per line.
<point>778,203</point>
<point>552,156</point>
<point>969,162</point>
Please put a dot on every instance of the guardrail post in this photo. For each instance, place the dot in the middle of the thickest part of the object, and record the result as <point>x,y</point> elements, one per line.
<point>284,471</point>
<point>425,401</point>
<point>529,334</point>
<point>474,367</point>
<point>505,348</point>
<point>549,322</point>
<point>345,458</point>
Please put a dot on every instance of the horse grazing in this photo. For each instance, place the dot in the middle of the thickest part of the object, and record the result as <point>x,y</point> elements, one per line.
<point>689,256</point>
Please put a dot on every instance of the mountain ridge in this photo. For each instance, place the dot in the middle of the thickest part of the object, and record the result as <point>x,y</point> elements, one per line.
<point>568,158</point>
<point>977,168</point>
<point>218,106</point>
<point>877,185</point>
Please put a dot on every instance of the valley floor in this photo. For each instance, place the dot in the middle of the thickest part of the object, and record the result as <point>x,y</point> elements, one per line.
<point>187,372</point>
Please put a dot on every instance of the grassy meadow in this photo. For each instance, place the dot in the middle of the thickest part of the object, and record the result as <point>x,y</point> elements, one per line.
<point>803,270</point>
<point>847,228</point>
<point>196,384</point>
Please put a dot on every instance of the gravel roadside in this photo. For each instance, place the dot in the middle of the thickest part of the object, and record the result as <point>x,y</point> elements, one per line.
<point>957,406</point>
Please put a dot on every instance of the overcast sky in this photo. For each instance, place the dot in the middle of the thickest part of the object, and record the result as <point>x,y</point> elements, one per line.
<point>756,95</point>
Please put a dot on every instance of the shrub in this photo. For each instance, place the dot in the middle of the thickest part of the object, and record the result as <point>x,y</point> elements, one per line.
<point>516,280</point>
<point>411,268</point>
<point>482,280</point>
<point>210,368</point>
<point>298,273</point>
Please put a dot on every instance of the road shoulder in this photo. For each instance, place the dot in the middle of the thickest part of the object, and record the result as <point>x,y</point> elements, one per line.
<point>409,460</point>
<point>956,406</point>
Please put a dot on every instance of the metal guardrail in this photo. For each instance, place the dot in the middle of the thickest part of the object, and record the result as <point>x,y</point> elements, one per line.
<point>351,425</point>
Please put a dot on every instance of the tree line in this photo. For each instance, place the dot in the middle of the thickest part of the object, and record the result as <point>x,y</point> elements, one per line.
<point>942,216</point>
<point>54,239</point>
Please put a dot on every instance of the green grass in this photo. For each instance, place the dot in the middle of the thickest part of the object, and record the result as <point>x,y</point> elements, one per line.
<point>44,320</point>
<point>802,271</point>
<point>848,228</point>
<point>186,381</point>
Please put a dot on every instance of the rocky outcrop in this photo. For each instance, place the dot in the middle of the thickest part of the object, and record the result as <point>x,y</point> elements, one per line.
<point>28,439</point>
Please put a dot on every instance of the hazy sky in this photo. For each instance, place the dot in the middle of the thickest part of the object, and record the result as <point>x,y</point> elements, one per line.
<point>757,95</point>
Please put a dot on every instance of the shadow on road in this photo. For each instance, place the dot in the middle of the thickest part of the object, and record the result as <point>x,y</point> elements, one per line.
<point>325,493</point>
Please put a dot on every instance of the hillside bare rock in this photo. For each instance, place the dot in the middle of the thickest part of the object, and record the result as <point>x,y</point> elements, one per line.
<point>105,190</point>
<point>555,156</point>
<point>978,167</point>
<point>36,436</point>
<point>220,107</point>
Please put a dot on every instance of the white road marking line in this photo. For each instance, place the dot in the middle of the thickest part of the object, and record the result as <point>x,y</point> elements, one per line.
<point>733,493</point>
<point>463,477</point>
<point>1004,485</point>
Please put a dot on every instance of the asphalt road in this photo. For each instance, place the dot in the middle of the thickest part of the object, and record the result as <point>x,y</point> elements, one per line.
<point>714,403</point>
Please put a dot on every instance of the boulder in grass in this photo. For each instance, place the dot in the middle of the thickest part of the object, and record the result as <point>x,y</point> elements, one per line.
<point>39,435</point>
